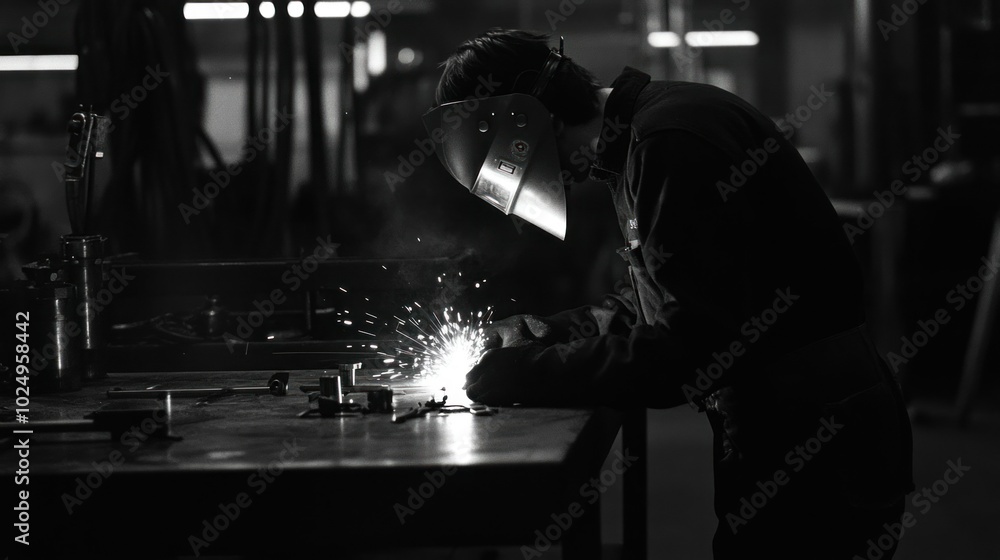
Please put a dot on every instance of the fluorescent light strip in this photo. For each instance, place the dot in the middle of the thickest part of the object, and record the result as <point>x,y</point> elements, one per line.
<point>721,38</point>
<point>704,39</point>
<point>216,10</point>
<point>377,55</point>
<point>663,39</point>
<point>40,62</point>
<point>240,10</point>
<point>360,9</point>
<point>342,9</point>
<point>332,9</point>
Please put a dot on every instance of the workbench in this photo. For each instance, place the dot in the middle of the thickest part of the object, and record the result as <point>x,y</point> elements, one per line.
<point>248,476</point>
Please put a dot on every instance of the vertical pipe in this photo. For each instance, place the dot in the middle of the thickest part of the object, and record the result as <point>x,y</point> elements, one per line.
<point>654,18</point>
<point>274,242</point>
<point>253,22</point>
<point>319,179</point>
<point>863,96</point>
<point>688,60</point>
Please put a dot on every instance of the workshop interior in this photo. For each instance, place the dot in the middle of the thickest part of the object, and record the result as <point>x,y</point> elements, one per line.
<point>224,230</point>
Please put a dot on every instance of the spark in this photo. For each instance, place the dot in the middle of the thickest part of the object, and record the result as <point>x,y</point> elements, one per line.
<point>449,346</point>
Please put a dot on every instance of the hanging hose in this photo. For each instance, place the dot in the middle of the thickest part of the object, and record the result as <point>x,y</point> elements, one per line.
<point>154,144</point>
<point>275,241</point>
<point>319,180</point>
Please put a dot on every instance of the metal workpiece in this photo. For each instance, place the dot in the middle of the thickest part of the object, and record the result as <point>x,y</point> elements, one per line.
<point>58,366</point>
<point>348,373</point>
<point>332,386</point>
<point>212,318</point>
<point>331,397</point>
<point>116,418</point>
<point>277,386</point>
<point>83,262</point>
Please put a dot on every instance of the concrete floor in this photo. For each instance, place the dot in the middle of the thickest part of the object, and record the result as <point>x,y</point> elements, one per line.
<point>681,522</point>
<point>959,526</point>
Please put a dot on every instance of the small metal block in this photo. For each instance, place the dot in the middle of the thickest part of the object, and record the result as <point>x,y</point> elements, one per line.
<point>330,386</point>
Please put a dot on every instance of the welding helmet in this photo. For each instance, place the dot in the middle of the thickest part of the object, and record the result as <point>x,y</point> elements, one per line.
<point>503,149</point>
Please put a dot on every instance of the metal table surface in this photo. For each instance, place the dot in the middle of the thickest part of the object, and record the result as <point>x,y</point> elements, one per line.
<point>250,477</point>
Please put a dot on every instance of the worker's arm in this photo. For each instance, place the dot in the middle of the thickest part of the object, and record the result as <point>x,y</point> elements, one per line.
<point>616,314</point>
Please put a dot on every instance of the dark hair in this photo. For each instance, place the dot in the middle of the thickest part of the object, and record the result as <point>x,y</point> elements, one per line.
<point>514,58</point>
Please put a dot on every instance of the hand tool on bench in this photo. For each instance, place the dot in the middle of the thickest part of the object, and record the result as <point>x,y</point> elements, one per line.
<point>277,385</point>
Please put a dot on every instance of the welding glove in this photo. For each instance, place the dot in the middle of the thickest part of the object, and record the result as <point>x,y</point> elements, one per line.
<point>518,330</point>
<point>504,376</point>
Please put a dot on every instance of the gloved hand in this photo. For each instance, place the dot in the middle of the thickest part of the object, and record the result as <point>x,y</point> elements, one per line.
<point>518,330</point>
<point>503,376</point>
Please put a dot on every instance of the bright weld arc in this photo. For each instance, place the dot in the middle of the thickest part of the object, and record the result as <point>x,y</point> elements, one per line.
<point>448,350</point>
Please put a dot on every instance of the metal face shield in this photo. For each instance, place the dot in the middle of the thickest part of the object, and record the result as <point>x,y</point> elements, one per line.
<point>503,149</point>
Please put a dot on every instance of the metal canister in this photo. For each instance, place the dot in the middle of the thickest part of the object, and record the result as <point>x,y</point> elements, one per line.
<point>380,400</point>
<point>83,257</point>
<point>330,386</point>
<point>348,377</point>
<point>54,335</point>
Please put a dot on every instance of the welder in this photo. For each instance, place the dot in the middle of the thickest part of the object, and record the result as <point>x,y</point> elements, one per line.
<point>743,298</point>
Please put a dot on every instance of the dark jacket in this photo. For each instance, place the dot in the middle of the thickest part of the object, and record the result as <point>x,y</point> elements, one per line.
<point>744,298</point>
